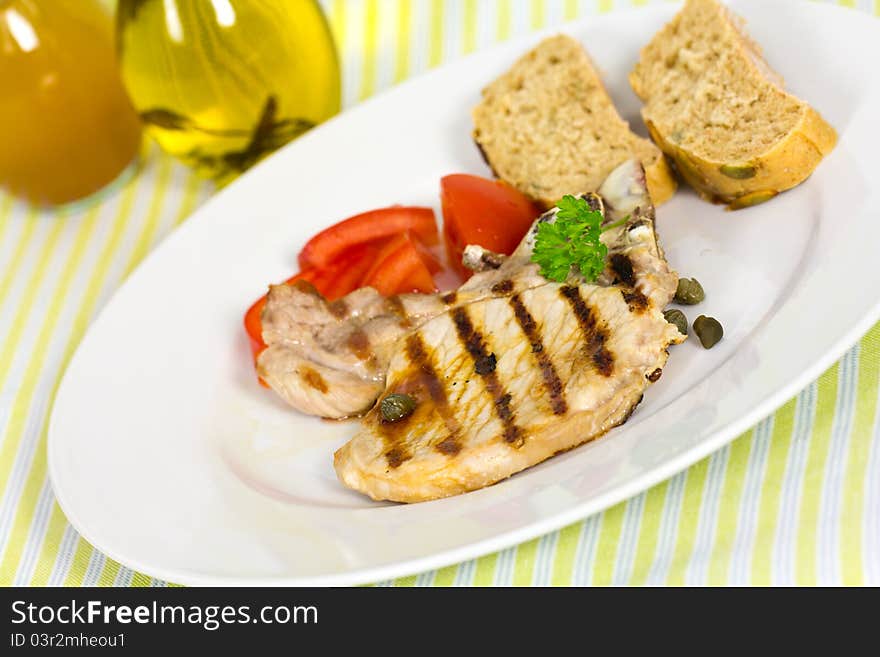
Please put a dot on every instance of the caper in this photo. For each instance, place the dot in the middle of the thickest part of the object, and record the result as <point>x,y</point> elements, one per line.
<point>709,330</point>
<point>396,406</point>
<point>738,171</point>
<point>675,316</point>
<point>753,198</point>
<point>689,292</point>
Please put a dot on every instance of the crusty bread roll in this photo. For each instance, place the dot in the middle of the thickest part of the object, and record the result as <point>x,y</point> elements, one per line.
<point>721,114</point>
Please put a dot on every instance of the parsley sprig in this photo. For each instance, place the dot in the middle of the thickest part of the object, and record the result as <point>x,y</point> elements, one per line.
<point>572,241</point>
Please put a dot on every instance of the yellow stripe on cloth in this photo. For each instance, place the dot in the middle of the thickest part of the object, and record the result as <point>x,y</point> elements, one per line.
<point>768,513</point>
<point>609,538</point>
<point>505,20</point>
<point>812,486</point>
<point>649,532</point>
<point>154,214</point>
<point>852,519</point>
<point>29,298</point>
<point>404,37</point>
<point>538,14</point>
<point>445,576</point>
<point>18,256</point>
<point>563,563</point>
<point>194,184</point>
<point>25,512</point>
<point>435,45</point>
<point>485,571</point>
<point>145,240</point>
<point>728,509</point>
<point>524,568</point>
<point>66,278</point>
<point>5,212</point>
<point>371,39</point>
<point>469,31</point>
<point>687,522</point>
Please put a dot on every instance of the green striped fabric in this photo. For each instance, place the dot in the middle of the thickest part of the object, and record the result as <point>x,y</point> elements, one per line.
<point>795,500</point>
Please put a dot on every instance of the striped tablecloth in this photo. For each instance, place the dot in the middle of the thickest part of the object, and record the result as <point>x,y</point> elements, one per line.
<point>795,500</point>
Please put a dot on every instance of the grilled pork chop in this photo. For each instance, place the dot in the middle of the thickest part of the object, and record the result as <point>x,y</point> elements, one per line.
<point>331,358</point>
<point>504,383</point>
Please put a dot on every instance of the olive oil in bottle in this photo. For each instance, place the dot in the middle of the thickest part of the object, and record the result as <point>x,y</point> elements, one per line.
<point>221,83</point>
<point>67,127</point>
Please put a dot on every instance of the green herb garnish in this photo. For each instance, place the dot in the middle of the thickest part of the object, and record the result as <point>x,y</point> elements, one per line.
<point>572,241</point>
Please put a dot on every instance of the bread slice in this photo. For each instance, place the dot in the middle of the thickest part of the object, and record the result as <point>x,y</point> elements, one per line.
<point>717,109</point>
<point>548,127</point>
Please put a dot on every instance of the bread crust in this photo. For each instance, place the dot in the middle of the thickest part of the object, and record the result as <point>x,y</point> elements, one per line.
<point>661,180</point>
<point>787,164</point>
<point>744,182</point>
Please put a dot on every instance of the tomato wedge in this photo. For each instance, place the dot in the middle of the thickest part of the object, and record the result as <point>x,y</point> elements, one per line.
<point>253,326</point>
<point>326,246</point>
<point>387,249</point>
<point>347,272</point>
<point>431,261</point>
<point>481,211</point>
<point>399,268</point>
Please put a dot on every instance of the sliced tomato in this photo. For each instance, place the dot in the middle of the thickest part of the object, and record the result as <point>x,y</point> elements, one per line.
<point>326,246</point>
<point>388,247</point>
<point>481,211</point>
<point>348,271</point>
<point>254,326</point>
<point>418,279</point>
<point>431,261</point>
<point>399,268</point>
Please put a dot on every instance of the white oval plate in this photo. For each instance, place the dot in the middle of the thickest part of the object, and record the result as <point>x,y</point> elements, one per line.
<point>166,454</point>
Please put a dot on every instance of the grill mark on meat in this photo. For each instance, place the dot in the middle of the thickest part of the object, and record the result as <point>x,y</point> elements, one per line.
<point>475,345</point>
<point>552,382</point>
<point>426,376</point>
<point>396,307</point>
<point>486,365</point>
<point>313,379</point>
<point>338,308</point>
<point>359,344</point>
<point>635,300</point>
<point>594,335</point>
<point>450,447</point>
<point>397,455</point>
<point>503,287</point>
<point>449,298</point>
<point>623,267</point>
